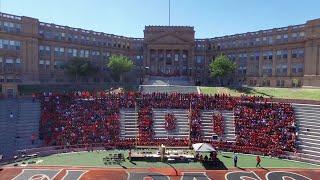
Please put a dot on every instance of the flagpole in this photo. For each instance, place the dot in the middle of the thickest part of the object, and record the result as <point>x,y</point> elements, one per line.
<point>169,12</point>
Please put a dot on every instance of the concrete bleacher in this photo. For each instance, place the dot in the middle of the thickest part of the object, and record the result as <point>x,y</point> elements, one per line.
<point>16,132</point>
<point>182,123</point>
<point>129,118</point>
<point>308,123</point>
<point>128,123</point>
<point>229,127</point>
<point>207,125</point>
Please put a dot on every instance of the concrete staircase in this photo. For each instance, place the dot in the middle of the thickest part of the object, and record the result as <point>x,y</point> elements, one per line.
<point>308,123</point>
<point>229,127</point>
<point>207,124</point>
<point>182,128</point>
<point>128,123</point>
<point>16,132</point>
<point>175,80</point>
<point>168,89</point>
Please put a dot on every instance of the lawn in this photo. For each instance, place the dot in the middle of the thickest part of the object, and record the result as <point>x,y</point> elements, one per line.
<point>282,93</point>
<point>94,159</point>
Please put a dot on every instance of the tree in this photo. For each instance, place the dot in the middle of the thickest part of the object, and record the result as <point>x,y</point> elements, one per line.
<point>295,82</point>
<point>119,65</point>
<point>79,67</point>
<point>221,67</point>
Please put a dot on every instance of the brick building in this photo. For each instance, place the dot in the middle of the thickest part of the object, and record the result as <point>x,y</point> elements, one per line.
<point>33,52</point>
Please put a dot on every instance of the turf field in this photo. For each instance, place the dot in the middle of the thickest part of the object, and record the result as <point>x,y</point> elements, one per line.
<point>94,159</point>
<point>282,93</point>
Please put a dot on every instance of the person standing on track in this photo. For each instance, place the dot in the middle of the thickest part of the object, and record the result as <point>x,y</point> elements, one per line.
<point>235,160</point>
<point>258,161</point>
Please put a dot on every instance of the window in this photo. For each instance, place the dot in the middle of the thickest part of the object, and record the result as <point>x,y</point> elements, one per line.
<point>199,59</point>
<point>280,83</point>
<point>267,69</point>
<point>297,53</point>
<point>267,55</point>
<point>8,65</point>
<point>44,49</point>
<point>1,64</point>
<point>18,64</point>
<point>301,34</point>
<point>58,51</point>
<point>58,64</point>
<point>294,35</point>
<point>11,27</point>
<point>242,69</point>
<point>297,68</point>
<point>176,57</point>
<point>86,53</point>
<point>270,40</point>
<point>281,69</point>
<point>10,44</point>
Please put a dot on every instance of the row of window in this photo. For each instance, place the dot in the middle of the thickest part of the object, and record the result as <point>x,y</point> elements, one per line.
<point>10,26</point>
<point>279,83</point>
<point>281,69</point>
<point>88,40</point>
<point>10,44</point>
<point>281,38</point>
<point>72,52</point>
<point>9,79</point>
<point>10,64</point>
<point>280,54</point>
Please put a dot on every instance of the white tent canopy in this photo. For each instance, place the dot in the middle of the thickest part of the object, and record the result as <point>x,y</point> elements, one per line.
<point>203,147</point>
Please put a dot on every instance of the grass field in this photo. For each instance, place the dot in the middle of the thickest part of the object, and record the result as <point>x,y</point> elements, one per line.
<point>94,159</point>
<point>283,93</point>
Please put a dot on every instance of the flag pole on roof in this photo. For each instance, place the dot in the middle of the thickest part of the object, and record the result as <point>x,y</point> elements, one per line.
<point>169,12</point>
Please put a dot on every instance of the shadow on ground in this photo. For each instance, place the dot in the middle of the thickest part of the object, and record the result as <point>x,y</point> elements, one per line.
<point>214,165</point>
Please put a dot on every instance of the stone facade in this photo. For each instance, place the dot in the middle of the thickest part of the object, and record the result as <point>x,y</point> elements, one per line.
<point>33,52</point>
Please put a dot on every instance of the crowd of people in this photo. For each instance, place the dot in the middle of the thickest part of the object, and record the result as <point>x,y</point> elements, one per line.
<point>218,126</point>
<point>145,124</point>
<point>268,126</point>
<point>195,127</point>
<point>87,118</point>
<point>170,122</point>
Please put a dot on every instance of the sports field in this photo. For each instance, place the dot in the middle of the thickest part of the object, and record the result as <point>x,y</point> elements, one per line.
<point>89,165</point>
<point>281,93</point>
<point>95,159</point>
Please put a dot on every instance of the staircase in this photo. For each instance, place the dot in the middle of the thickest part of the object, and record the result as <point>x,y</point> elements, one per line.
<point>308,123</point>
<point>207,124</point>
<point>28,124</point>
<point>128,123</point>
<point>15,132</point>
<point>168,89</point>
<point>229,127</point>
<point>8,131</point>
<point>182,123</point>
<point>175,80</point>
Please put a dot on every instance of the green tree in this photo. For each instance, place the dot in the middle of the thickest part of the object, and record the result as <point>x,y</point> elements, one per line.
<point>119,65</point>
<point>221,67</point>
<point>295,82</point>
<point>79,67</point>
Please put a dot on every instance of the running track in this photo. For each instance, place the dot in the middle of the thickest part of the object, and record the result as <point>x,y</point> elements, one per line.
<point>68,173</point>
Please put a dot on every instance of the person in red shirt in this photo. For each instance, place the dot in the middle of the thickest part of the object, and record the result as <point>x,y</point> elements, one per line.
<point>258,161</point>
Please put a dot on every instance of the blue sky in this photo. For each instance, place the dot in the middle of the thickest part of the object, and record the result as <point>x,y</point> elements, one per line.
<point>211,18</point>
